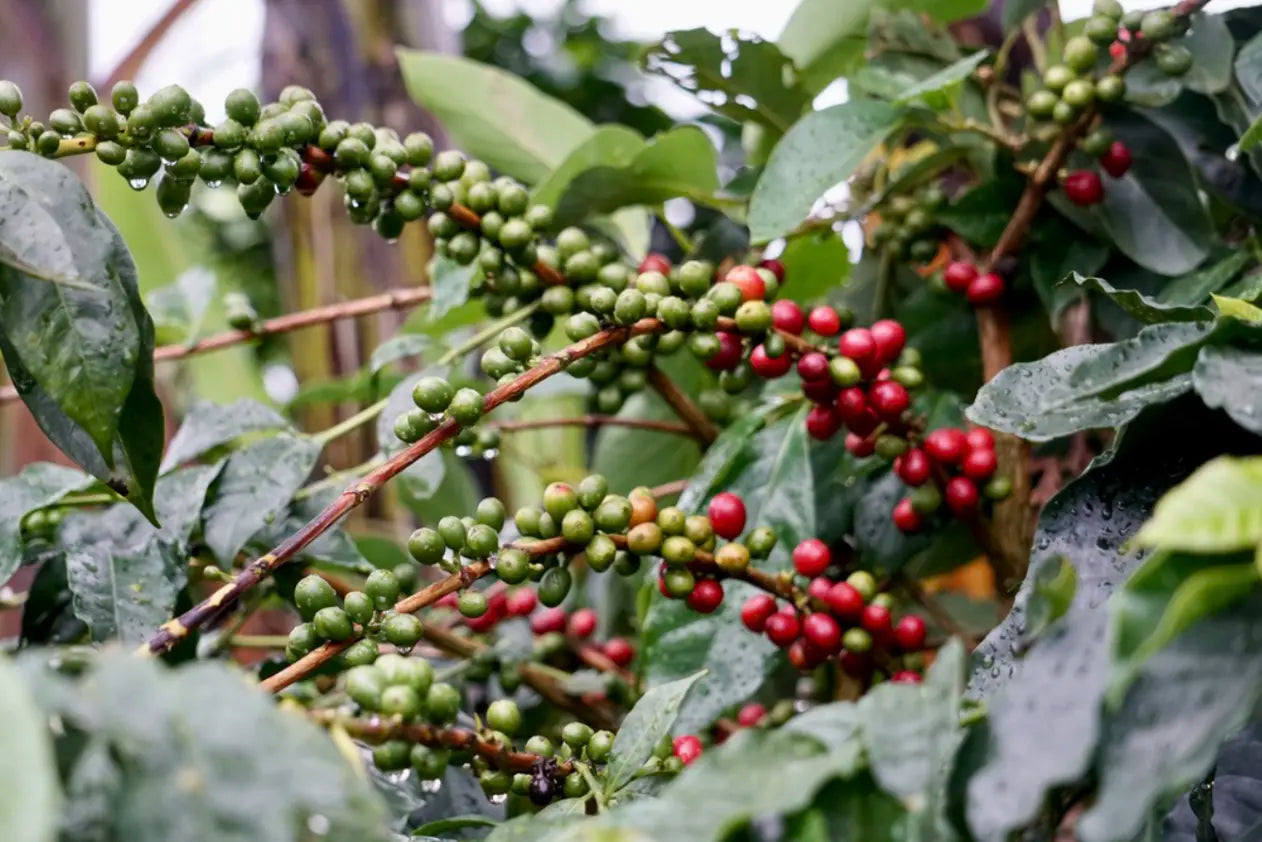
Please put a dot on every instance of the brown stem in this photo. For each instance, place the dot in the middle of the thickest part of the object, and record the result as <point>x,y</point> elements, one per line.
<point>396,299</point>
<point>935,610</point>
<point>593,421</point>
<point>682,405</point>
<point>457,739</point>
<point>179,628</point>
<point>669,489</point>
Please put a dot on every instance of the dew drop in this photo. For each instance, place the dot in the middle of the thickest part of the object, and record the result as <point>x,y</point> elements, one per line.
<point>1232,153</point>
<point>137,183</point>
<point>212,184</point>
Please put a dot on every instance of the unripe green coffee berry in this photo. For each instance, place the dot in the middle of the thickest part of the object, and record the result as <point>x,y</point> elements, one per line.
<point>557,300</point>
<point>613,514</point>
<point>466,406</point>
<point>577,526</point>
<point>1173,59</point>
<point>580,326</point>
<point>732,558</point>
<point>753,317</point>
<point>844,371</point>
<point>549,527</point>
<point>111,153</point>
<point>576,734</point>
<point>391,756</point>
<point>171,105</point>
<point>998,488</point>
<point>679,582</point>
<point>402,630</point>
<point>540,745</point>
<point>453,532</point>
<point>601,553</point>
<point>629,307</point>
<point>311,594</point>
<point>652,283</point>
<point>677,550</point>
<point>1079,93</point>
<point>1064,113</point>
<point>1097,143</point>
<point>364,684</point>
<point>727,296</point>
<point>472,604</point>
<point>512,566</point>
<point>247,166</point>
<point>302,639</point>
<point>1101,30</point>
<point>442,703</point>
<point>360,653</point>
<point>463,248</point>
<point>644,539</point>
<point>736,380</point>
<point>430,764</point>
<point>527,521</point>
<point>400,700</point>
<point>332,624</point>
<point>358,606</point>
<point>862,581</point>
<point>481,542</point>
<point>504,715</point>
<point>672,520</point>
<point>1108,8</point>
<point>857,640</point>
<point>1081,53</point>
<point>10,99</point>
<point>1158,25</point>
<point>173,195</point>
<point>382,588</point>
<point>554,587</point>
<point>1111,88</point>
<point>1057,76</point>
<point>449,165</point>
<point>559,499</point>
<point>1041,102</point>
<point>890,446</point>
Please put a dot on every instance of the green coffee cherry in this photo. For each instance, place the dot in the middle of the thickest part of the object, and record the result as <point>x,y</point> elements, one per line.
<point>382,588</point>
<point>393,755</point>
<point>1158,25</point>
<point>466,406</point>
<point>311,594</point>
<point>1110,88</point>
<point>481,541</point>
<point>1081,53</point>
<point>472,604</point>
<point>125,97</point>
<point>442,703</point>
<point>358,606</point>
<point>10,99</point>
<point>402,630</point>
<point>430,764</point>
<point>1111,9</point>
<point>302,639</point>
<point>400,700</point>
<point>365,684</point>
<point>1101,30</point>
<point>1173,59</point>
<point>1057,76</point>
<point>512,566</point>
<point>504,715</point>
<point>554,587</point>
<point>332,624</point>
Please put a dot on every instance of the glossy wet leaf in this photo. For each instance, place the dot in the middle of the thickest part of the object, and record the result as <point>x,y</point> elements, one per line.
<point>643,728</point>
<point>30,799</point>
<point>125,593</point>
<point>1143,308</point>
<point>397,348</point>
<point>1196,287</point>
<point>451,282</point>
<point>254,487</point>
<point>424,476</point>
<point>822,149</point>
<point>1230,379</point>
<point>210,425</point>
<point>940,90</point>
<point>38,485</point>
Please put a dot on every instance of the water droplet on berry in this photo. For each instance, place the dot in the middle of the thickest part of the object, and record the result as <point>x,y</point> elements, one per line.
<point>137,183</point>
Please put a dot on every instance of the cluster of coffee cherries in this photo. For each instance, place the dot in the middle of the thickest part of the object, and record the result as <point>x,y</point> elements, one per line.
<point>1084,187</point>
<point>908,225</point>
<point>981,288</point>
<point>326,618</point>
<point>952,466</point>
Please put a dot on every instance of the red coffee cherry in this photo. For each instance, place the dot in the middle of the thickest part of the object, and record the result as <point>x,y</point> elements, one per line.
<point>846,602</point>
<point>958,275</point>
<point>913,467</point>
<point>824,320</point>
<point>727,515</point>
<point>619,650</point>
<point>985,289</point>
<point>856,664</point>
<point>852,403</point>
<point>782,628</point>
<point>864,423</point>
<point>1117,160</point>
<point>802,656</point>
<point>822,422</point>
<point>819,391</point>
<point>756,610</point>
<point>1083,188</point>
<point>813,366</point>
<point>961,496</point>
<point>979,438</point>
<point>819,588</point>
<point>751,714</point>
<point>548,620</point>
<point>687,748</point>
<point>877,620</point>
<point>945,446</point>
<point>910,633</point>
<point>774,266</point>
<point>521,602</point>
<point>750,283</point>
<point>582,623</point>
<point>811,557</point>
<point>905,677</point>
<point>858,344</point>
<point>730,352</point>
<point>906,518</point>
<point>980,464</point>
<point>889,399</point>
<point>767,367</point>
<point>788,316</point>
<point>655,262</point>
<point>890,339</point>
<point>859,446</point>
<point>822,632</point>
<point>706,596</point>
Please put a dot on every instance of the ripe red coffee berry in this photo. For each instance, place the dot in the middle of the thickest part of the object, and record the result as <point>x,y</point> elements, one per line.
<point>803,657</point>
<point>582,623</point>
<point>945,446</point>
<point>859,446</point>
<point>548,620</point>
<point>756,610</point>
<point>819,588</point>
<point>961,496</point>
<point>706,596</point>
<point>985,289</point>
<point>750,283</point>
<point>521,602</point>
<point>913,467</point>
<point>824,320</point>
<point>822,632</point>
<point>730,352</point>
<point>813,366</point>
<point>889,337</point>
<point>767,367</point>
<point>687,748</point>
<point>655,262</point>
<point>979,438</point>
<point>619,650</point>
<point>852,403</point>
<point>811,557</point>
<point>846,602</point>
<point>819,391</point>
<point>856,664</point>
<point>958,275</point>
<point>788,316</point>
<point>782,628</point>
<point>910,633</point>
<point>858,344</point>
<point>774,266</point>
<point>1083,187</point>
<point>865,423</point>
<point>980,464</point>
<point>889,399</point>
<point>727,515</point>
<point>906,518</point>
<point>1117,160</point>
<point>751,714</point>
<point>877,620</point>
<point>822,422</point>
<point>905,677</point>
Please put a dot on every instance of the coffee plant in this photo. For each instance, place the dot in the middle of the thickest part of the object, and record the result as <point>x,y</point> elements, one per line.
<point>738,609</point>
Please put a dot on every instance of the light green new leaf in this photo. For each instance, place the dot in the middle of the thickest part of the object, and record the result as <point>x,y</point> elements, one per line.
<point>1216,510</point>
<point>645,725</point>
<point>494,115</point>
<point>1235,308</point>
<point>937,91</point>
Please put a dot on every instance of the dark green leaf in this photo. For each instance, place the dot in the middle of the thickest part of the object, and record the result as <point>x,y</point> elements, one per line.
<point>1164,737</point>
<point>255,486</point>
<point>209,425</point>
<point>854,809</point>
<point>47,615</point>
<point>1198,286</point>
<point>424,476</point>
<point>1056,249</point>
<point>644,726</point>
<point>450,282</point>
<point>493,115</point>
<point>125,594</point>
<point>1216,510</point>
<point>1228,803</point>
<point>837,726</point>
<point>179,497</point>
<point>1016,11</point>
<point>200,754</point>
<point>1248,66</point>
<point>334,547</point>
<point>397,348</point>
<point>1212,50</point>
<point>1146,310</point>
<point>740,76</point>
<point>1090,386</point>
<point>1148,87</point>
<point>31,796</point>
<point>1229,379</point>
<point>453,823</point>
<point>814,266</point>
<point>37,486</point>
<point>822,149</point>
<point>681,162</point>
<point>981,214</point>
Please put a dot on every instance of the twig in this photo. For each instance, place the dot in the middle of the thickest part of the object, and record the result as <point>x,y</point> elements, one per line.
<point>691,414</point>
<point>176,630</point>
<point>397,299</point>
<point>935,610</point>
<point>592,421</point>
